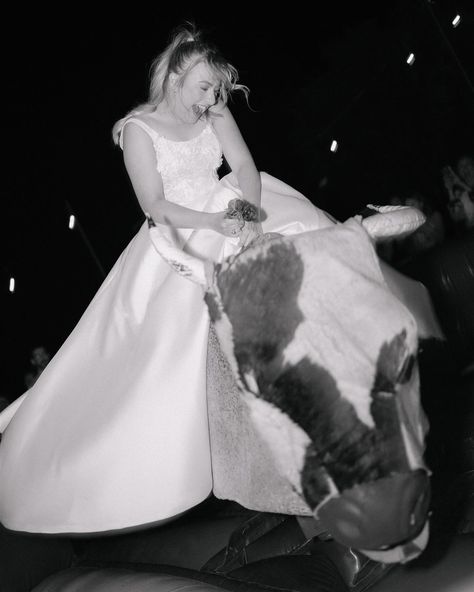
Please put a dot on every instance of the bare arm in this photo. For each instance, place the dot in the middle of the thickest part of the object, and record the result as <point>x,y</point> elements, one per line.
<point>140,162</point>
<point>237,155</point>
<point>242,164</point>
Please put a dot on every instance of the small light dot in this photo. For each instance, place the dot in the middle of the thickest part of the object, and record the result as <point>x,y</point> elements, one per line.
<point>334,146</point>
<point>411,59</point>
<point>72,221</point>
<point>456,20</point>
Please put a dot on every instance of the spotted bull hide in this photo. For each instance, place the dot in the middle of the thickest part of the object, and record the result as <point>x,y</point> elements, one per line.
<point>324,356</point>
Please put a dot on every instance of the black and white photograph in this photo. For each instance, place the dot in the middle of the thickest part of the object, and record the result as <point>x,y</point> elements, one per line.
<point>237,298</point>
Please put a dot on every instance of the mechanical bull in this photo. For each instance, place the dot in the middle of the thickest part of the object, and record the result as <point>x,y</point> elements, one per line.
<point>325,356</point>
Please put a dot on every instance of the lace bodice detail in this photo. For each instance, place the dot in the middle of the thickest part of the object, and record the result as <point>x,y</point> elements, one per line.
<point>188,168</point>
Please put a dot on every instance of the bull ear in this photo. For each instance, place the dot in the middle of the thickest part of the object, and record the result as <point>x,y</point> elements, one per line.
<point>193,268</point>
<point>392,221</point>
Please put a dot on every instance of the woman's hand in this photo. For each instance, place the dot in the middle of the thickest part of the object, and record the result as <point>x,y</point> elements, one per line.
<point>249,233</point>
<point>230,227</point>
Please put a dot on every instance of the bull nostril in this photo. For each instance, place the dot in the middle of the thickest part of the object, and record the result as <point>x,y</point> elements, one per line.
<point>347,529</point>
<point>379,514</point>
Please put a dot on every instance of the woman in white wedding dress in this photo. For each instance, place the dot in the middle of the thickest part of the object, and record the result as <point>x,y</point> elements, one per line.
<point>114,433</point>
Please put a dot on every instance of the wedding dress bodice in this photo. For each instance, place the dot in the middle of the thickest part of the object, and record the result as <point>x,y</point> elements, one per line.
<point>188,168</point>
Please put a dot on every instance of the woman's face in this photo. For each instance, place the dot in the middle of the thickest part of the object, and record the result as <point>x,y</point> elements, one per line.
<point>198,90</point>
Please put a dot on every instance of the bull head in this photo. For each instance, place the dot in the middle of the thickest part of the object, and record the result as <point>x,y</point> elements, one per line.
<point>316,339</point>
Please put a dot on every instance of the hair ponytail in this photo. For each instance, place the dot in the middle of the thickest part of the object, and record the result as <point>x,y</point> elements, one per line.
<point>160,70</point>
<point>181,47</point>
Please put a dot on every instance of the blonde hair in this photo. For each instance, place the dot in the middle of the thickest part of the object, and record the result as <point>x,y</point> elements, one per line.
<point>185,50</point>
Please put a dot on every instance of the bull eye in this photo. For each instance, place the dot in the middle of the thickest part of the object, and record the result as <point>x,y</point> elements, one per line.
<point>406,370</point>
<point>383,384</point>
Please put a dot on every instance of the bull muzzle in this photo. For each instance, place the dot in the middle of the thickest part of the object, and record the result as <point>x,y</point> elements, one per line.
<point>387,519</point>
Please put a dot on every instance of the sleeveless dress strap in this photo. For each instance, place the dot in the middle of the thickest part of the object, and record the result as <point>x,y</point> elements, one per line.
<point>145,127</point>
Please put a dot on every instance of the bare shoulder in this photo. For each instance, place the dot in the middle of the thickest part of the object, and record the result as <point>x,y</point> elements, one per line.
<point>133,133</point>
<point>136,136</point>
<point>153,119</point>
<point>144,125</point>
<point>221,117</point>
<point>220,111</point>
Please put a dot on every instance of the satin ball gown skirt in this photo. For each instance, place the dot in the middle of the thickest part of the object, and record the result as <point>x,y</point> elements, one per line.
<point>114,433</point>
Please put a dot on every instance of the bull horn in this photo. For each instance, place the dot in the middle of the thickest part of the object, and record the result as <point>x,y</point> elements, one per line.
<point>392,221</point>
<point>187,265</point>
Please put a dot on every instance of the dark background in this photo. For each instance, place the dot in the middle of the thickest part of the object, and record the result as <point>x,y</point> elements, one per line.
<point>339,73</point>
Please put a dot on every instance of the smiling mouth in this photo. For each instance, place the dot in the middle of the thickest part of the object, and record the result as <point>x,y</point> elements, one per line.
<point>198,110</point>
